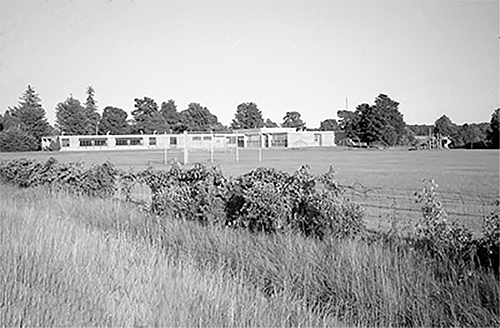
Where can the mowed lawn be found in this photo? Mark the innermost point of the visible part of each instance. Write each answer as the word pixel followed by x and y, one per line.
pixel 383 180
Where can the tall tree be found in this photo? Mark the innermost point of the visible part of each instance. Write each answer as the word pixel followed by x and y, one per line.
pixel 493 135
pixel 392 118
pixel 147 117
pixel 292 120
pixel 329 124
pixel 247 116
pixel 30 116
pixel 171 115
pixel 71 117
pixel 371 125
pixel 93 116
pixel 199 118
pixel 114 121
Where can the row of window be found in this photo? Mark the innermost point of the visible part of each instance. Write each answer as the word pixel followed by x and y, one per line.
pixel 277 140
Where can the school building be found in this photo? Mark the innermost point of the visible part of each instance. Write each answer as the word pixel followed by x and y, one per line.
pixel 248 138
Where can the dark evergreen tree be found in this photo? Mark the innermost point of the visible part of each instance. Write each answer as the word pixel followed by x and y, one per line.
pixel 71 117
pixel 29 116
pixel 92 116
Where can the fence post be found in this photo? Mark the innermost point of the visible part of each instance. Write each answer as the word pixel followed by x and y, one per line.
pixel 260 147
pixel 237 153
pixel 212 147
pixel 165 155
pixel 185 148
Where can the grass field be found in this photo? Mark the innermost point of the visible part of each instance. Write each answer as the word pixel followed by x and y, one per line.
pixel 384 181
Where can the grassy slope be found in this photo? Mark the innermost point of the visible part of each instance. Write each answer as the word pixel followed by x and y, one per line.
pixel 57 270
pixel 75 261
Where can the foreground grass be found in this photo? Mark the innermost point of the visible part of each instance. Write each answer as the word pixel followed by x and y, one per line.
pixel 71 261
pixel 57 271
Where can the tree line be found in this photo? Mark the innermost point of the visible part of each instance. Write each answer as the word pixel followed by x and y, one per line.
pixel 23 126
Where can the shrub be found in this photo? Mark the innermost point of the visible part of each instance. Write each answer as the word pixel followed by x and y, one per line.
pixel 96 181
pixel 270 201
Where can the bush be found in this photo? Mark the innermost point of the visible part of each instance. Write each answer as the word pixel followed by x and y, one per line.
pixel 451 242
pixel 96 181
pixel 271 201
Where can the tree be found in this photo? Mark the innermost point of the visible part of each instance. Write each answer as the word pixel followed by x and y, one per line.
pixel 172 117
pixel 71 117
pixel 247 116
pixel 15 139
pixel 114 121
pixel 293 120
pixel 199 118
pixel 444 127
pixel 493 135
pixel 92 116
pixel 392 120
pixel 371 125
pixel 349 122
pixel 29 116
pixel 471 135
pixel 381 122
pixel 329 124
pixel 147 117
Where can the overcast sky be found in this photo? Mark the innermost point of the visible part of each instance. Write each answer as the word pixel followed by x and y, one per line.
pixel 433 57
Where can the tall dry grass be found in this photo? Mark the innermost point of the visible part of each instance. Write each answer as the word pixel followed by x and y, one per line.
pixel 69 260
pixel 59 269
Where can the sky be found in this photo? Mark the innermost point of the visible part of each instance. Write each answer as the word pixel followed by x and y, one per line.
pixel 314 57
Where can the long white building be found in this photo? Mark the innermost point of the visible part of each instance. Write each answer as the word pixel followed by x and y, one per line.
pixel 251 138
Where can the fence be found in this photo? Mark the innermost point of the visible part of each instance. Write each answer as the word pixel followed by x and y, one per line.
pixel 197 147
pixel 384 206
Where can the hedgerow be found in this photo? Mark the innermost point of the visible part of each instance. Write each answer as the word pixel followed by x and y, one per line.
pixel 263 200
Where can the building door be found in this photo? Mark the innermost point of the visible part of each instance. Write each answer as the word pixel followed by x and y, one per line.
pixel 318 140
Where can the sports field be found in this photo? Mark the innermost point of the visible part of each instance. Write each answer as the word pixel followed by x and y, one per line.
pixel 384 181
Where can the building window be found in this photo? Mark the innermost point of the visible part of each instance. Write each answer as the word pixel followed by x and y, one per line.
pixel 121 142
pixel 196 139
pixel 152 141
pixel 136 141
pixel 173 141
pixel 65 142
pixel 279 140
pixel 231 140
pixel 207 138
pixel 100 142
pixel 85 143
